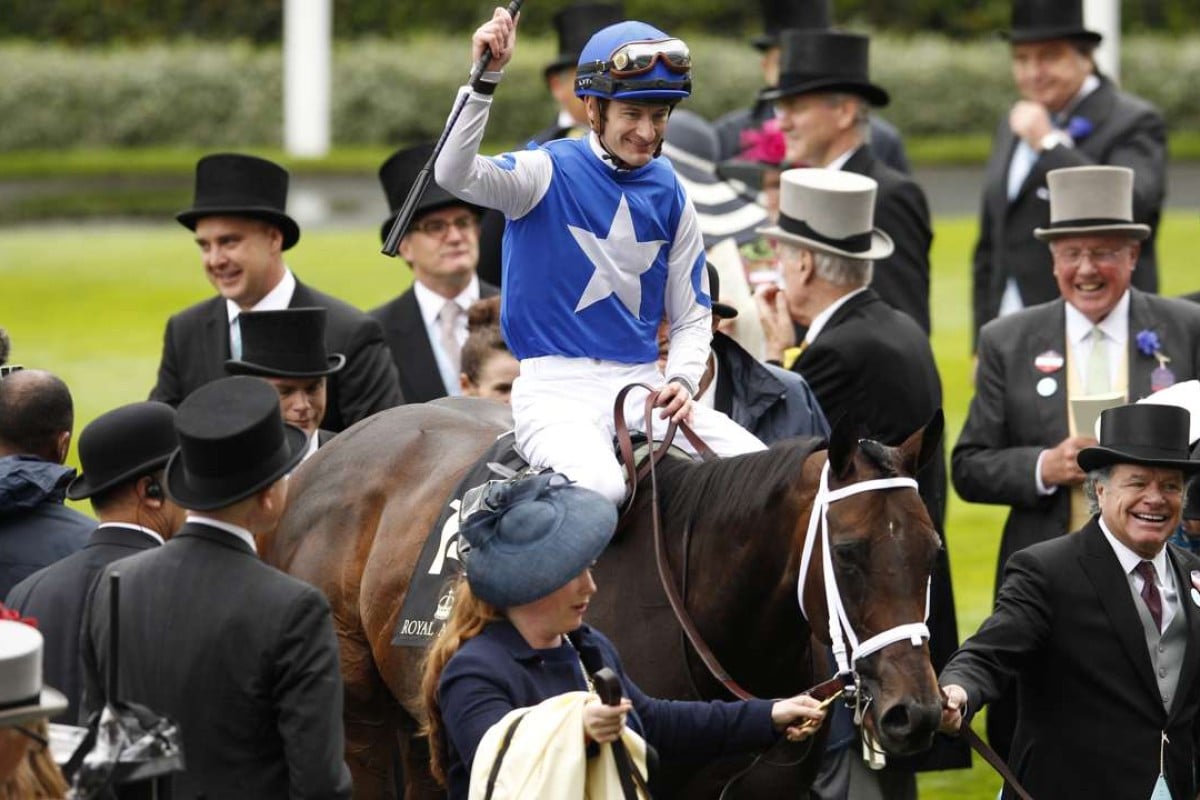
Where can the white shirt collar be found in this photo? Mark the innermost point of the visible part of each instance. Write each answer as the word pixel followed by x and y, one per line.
pixel 841 160
pixel 275 300
pixel 820 320
pixel 431 303
pixel 155 535
pixel 1115 325
pixel 1129 559
pixel 1090 84
pixel 236 530
pixel 311 449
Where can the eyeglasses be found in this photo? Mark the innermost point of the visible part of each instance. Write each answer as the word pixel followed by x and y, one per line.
pixel 9 369
pixel 440 227
pixel 1100 256
pixel 638 58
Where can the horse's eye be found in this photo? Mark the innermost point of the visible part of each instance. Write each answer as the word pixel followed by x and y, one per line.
pixel 852 554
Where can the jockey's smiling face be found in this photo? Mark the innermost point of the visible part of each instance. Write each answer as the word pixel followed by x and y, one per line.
pixel 632 131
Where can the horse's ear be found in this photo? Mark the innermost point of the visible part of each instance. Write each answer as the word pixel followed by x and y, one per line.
pixel 920 448
pixel 843 444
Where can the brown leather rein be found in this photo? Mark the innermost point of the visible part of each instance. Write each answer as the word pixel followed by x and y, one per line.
pixel 633 476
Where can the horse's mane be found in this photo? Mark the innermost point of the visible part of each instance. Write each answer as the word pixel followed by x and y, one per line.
pixel 731 489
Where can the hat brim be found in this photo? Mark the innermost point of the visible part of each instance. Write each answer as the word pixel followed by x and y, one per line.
pixel 1132 230
pixel 723 207
pixel 183 488
pixel 286 225
pixel 881 244
pixel 876 96
pixel 82 487
pixel 1091 458
pixel 1050 34
pixel 239 367
pixel 764 42
pixel 51 702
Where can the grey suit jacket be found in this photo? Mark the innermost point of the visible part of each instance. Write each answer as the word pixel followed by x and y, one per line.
pixel 1126 131
pixel 241 655
pixel 1009 423
pixel 1066 631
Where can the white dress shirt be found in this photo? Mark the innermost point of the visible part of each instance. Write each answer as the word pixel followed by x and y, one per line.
pixel 155 535
pixel 236 530
pixel 820 320
pixel 431 303
pixel 1163 574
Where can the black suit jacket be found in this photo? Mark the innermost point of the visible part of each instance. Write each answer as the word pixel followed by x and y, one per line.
pixel 1009 423
pixel 405 334
pixel 1127 132
pixel 901 279
pixel 196 346
pixel 55 596
pixel 242 656
pixel 1066 631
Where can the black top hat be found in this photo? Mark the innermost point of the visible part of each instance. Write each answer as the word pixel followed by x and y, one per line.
pixel 231 184
pixel 397 176
pixel 722 310
pixel 1042 20
pixel 232 443
pixel 123 444
pixel 825 61
pixel 575 25
pixel 781 15
pixel 289 343
pixel 1142 433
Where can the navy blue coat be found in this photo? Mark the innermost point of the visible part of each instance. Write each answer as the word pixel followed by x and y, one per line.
pixel 36 529
pixel 55 595
pixel 498 671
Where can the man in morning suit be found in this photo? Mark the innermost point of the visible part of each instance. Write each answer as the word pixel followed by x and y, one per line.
pixel 242 231
pixel 574 24
pixel 123 453
pixel 1069 115
pixel 286 348
pixel 240 655
pixel 427 325
pixel 864 361
pixel 1100 630
pixel 822 101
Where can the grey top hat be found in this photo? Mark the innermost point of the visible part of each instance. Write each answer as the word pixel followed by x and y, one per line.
pixel 1091 200
pixel 831 211
pixel 23 696
pixel 532 536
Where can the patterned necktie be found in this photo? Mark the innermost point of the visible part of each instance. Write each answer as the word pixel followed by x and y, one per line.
pixel 1150 595
pixel 448 333
pixel 1099 378
pixel 235 338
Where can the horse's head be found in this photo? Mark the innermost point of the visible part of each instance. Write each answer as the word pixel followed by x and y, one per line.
pixel 882 548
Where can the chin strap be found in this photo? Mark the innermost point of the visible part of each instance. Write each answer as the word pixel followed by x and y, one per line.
pixel 598 128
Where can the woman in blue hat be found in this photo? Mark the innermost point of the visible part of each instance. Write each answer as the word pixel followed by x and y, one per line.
pixel 516 637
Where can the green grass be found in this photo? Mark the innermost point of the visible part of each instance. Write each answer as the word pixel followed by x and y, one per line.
pixel 89 303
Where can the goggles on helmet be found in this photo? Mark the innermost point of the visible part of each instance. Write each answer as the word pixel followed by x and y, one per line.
pixel 638 58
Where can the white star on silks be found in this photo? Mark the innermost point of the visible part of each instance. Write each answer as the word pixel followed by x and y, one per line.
pixel 619 261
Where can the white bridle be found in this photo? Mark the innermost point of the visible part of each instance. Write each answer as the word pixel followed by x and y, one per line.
pixel 840 631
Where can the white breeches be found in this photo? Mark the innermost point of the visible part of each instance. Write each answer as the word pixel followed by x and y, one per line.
pixel 563 415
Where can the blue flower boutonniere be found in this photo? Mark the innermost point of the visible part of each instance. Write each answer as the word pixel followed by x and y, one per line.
pixel 1079 128
pixel 1148 344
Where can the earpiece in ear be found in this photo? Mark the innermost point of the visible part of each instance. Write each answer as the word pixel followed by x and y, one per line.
pixel 154 489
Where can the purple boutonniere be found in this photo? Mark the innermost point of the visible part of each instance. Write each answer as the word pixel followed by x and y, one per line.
pixel 1079 128
pixel 1148 344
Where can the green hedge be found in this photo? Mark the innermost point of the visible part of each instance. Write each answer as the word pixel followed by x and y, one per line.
pixel 393 91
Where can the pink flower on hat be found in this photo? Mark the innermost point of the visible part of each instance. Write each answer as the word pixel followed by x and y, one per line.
pixel 12 615
pixel 765 144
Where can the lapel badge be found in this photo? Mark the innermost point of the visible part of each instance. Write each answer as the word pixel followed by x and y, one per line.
pixel 1161 378
pixel 1049 361
pixel 1046 387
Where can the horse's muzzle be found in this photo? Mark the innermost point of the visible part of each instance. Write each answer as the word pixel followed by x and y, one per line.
pixel 907 727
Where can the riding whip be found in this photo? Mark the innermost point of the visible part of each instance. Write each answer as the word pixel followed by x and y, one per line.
pixel 391 246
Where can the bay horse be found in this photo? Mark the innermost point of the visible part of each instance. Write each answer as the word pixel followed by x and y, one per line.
pixel 359 512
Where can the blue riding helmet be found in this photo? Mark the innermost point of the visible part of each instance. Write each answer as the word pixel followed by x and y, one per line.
pixel 634 61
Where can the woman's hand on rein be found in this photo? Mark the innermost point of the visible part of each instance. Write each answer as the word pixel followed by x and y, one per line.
pixel 603 723
pixel 797 717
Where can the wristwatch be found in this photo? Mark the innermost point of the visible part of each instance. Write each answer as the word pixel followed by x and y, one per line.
pixel 1054 139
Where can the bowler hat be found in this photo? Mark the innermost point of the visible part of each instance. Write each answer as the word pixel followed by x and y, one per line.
pixel 1091 201
pixel 23 696
pixel 235 185
pixel 575 25
pixel 397 176
pixel 1141 433
pixel 831 211
pixel 123 444
pixel 288 343
pixel 232 443
pixel 825 61
pixel 533 535
pixel 781 15
pixel 1043 20
pixel 722 310
pixel 724 208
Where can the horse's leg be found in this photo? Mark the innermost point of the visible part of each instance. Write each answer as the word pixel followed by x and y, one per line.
pixel 419 783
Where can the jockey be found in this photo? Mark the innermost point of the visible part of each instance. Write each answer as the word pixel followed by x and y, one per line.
pixel 600 243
